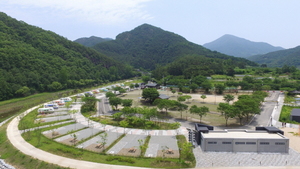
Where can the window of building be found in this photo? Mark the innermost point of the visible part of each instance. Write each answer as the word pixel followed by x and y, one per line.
pixel 212 142
pixel 264 143
pixel 225 142
pixel 251 143
pixel 239 142
pixel 279 143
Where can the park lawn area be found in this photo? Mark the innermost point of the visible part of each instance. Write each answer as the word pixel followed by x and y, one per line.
pixel 81 154
pixel 9 108
pixel 19 160
pixel 285 114
pixel 213 118
pixel 110 121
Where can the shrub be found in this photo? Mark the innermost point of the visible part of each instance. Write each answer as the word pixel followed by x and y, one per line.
pixel 120 159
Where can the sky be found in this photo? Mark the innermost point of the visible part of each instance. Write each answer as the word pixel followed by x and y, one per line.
pixel 200 21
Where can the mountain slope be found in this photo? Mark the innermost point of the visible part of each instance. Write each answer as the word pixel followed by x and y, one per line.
pixel 146 46
pixel 239 47
pixel 290 57
pixel 34 60
pixel 91 41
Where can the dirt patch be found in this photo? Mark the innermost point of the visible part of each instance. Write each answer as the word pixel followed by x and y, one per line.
pixel 52 134
pixel 94 148
pixel 127 152
pixel 70 142
pixel 175 154
pixel 293 135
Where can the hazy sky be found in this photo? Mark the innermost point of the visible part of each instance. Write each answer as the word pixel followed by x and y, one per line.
pixel 200 21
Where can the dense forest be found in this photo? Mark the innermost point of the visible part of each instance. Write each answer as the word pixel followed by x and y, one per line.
pixel 194 65
pixel 147 46
pixel 91 41
pixel 34 60
pixel 279 58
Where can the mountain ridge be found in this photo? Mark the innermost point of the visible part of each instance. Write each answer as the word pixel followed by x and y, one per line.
pixel 280 58
pixel 240 47
pixel 147 46
pixel 91 41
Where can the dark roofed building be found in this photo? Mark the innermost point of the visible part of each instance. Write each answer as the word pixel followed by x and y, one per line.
pixel 163 96
pixel 295 115
pixel 153 85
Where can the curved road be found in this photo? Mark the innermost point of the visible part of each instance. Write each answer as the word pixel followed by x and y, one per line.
pixel 17 140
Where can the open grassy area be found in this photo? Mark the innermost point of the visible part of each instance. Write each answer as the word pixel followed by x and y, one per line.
pixel 11 107
pixel 36 139
pixel 285 114
pixel 19 160
pixel 212 118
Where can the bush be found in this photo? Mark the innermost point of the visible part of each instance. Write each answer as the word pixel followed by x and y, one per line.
pixel 120 159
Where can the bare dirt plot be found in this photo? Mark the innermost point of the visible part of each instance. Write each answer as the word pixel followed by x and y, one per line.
pixel 174 154
pixel 70 141
pixel 293 135
pixel 95 148
pixel 129 152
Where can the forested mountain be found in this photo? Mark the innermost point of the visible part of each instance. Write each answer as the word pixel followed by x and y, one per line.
pixel 194 65
pixel 147 46
pixel 239 47
pixel 91 41
pixel 34 60
pixel 290 57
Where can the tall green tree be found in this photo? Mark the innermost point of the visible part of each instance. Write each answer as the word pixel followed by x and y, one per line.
pixel 200 111
pixel 228 111
pixel 203 97
pixel 150 94
pixel 228 98
pixel 115 101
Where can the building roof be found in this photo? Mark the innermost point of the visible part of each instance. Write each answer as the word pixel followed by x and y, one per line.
pixel 163 96
pixel 152 84
pixel 242 135
pixel 295 112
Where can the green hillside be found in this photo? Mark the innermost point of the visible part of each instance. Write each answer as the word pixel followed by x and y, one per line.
pixel 91 41
pixel 146 46
pixel 34 60
pixel 280 58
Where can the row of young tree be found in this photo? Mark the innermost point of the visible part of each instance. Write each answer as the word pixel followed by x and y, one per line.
pixel 246 83
pixel 245 107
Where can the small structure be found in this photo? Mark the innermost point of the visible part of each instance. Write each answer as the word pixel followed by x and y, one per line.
pixel 163 96
pixel 150 85
pixel 295 115
pixel 262 139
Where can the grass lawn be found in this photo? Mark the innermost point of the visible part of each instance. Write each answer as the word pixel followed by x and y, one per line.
pixel 213 118
pixel 51 146
pixel 285 114
pixel 19 160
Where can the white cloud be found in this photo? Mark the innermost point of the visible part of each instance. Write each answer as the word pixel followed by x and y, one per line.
pixel 106 12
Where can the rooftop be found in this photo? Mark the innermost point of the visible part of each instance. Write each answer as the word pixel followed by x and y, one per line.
pixel 242 134
pixel 295 112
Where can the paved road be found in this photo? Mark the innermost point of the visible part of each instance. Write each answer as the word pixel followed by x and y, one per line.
pixel 264 118
pixel 16 139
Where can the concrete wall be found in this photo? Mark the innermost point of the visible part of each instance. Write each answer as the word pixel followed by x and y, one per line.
pixel 295 118
pixel 245 145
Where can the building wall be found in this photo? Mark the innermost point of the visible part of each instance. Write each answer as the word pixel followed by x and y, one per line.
pixel 295 118
pixel 245 145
